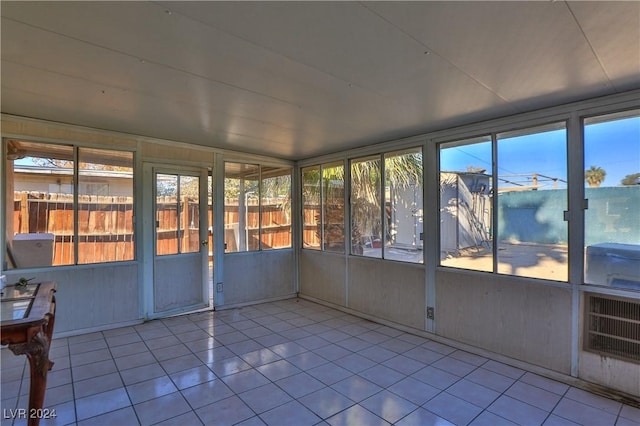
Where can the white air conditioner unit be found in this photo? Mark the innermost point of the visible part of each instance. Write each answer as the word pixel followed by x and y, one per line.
pixel 613 264
pixel 32 250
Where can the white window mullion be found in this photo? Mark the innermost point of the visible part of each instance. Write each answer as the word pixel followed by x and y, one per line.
pixel 76 201
pixel 576 204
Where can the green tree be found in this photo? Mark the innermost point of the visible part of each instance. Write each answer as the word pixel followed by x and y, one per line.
pixel 594 176
pixel 401 171
pixel 632 179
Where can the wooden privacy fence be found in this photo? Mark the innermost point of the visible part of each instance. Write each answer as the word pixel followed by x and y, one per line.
pixel 313 231
pixel 177 225
pixel 276 224
pixel 310 226
pixel 106 231
pixel 105 225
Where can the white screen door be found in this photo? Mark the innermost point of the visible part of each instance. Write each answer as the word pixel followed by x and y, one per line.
pixel 180 264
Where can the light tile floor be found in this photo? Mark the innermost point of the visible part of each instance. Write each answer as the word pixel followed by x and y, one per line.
pixel 295 363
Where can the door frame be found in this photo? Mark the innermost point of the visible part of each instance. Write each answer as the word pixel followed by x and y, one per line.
pixel 150 170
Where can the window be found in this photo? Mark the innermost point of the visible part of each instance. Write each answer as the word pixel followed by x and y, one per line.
pixel 366 202
pixel 105 206
pixel 532 234
pixel 333 207
pixel 311 213
pixel 323 207
pixel 387 224
pixel 253 221
pixel 177 214
pixel 403 206
pixel 509 222
pixel 612 188
pixel 275 208
pixel 48 223
pixel 466 204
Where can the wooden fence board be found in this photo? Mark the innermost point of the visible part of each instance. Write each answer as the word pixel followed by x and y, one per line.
pixel 105 225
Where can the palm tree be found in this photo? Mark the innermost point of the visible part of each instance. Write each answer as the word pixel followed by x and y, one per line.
pixel 594 176
pixel 632 179
pixel 402 170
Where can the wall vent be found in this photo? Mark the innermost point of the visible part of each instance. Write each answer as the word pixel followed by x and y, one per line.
pixel 613 327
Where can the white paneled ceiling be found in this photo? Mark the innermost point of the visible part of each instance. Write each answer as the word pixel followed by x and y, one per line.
pixel 299 79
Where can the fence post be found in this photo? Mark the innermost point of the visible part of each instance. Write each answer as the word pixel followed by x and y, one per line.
pixel 186 232
pixel 24 213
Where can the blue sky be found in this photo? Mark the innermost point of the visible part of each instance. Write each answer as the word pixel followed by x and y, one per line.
pixel 613 146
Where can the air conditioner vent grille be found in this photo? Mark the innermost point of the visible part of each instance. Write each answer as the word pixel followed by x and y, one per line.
pixel 613 327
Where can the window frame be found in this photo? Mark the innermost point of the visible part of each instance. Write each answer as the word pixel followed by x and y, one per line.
pixel 597 116
pixel 76 193
pixel 381 157
pixel 260 166
pixel 530 127
pixel 459 142
pixel 303 224
pixel 380 181
pixel 322 198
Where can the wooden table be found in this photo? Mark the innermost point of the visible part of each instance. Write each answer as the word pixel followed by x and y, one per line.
pixel 28 316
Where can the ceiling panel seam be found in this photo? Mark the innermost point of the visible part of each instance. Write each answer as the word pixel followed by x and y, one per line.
pixel 273 98
pixel 349 83
pixel 441 56
pixel 253 43
pixel 593 50
pixel 126 89
pixel 228 132
pixel 192 74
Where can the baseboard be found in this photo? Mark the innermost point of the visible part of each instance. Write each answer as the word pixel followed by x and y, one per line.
pixel 604 391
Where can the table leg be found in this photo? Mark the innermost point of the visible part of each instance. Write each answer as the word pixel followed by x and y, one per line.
pixel 37 352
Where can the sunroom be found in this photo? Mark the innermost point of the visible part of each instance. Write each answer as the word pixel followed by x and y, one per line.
pixel 461 177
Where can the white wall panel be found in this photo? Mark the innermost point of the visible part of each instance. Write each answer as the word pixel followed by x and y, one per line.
pixel 255 276
pixel 323 276
pixel 32 129
pixel 177 281
pixel 528 322
pixel 393 291
pixel 610 372
pixel 90 297
pixel 160 152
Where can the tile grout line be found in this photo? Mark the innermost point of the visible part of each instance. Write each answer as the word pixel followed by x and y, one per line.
pixel 334 321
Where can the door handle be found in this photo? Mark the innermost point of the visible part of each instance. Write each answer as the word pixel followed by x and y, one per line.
pixel 204 243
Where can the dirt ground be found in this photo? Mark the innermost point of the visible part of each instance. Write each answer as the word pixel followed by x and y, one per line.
pixel 524 260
